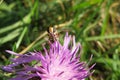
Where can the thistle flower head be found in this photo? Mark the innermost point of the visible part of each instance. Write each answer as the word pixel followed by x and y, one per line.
pixel 58 63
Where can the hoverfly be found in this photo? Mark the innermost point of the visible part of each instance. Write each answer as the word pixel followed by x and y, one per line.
pixel 53 34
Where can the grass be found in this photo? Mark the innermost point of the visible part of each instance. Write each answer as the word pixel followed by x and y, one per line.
pixel 95 23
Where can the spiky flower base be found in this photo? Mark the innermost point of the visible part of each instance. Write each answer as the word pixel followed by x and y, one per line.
pixel 58 63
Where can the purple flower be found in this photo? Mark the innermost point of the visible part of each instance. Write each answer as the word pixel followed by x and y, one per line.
pixel 58 63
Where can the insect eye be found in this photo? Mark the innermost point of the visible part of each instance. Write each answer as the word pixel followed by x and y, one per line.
pixel 49 30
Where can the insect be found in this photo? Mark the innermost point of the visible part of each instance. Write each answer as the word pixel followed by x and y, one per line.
pixel 53 34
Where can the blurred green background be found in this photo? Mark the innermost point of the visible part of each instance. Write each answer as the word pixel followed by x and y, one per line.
pixel 95 23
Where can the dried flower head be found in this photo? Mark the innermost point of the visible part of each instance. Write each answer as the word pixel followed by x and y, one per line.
pixel 58 63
